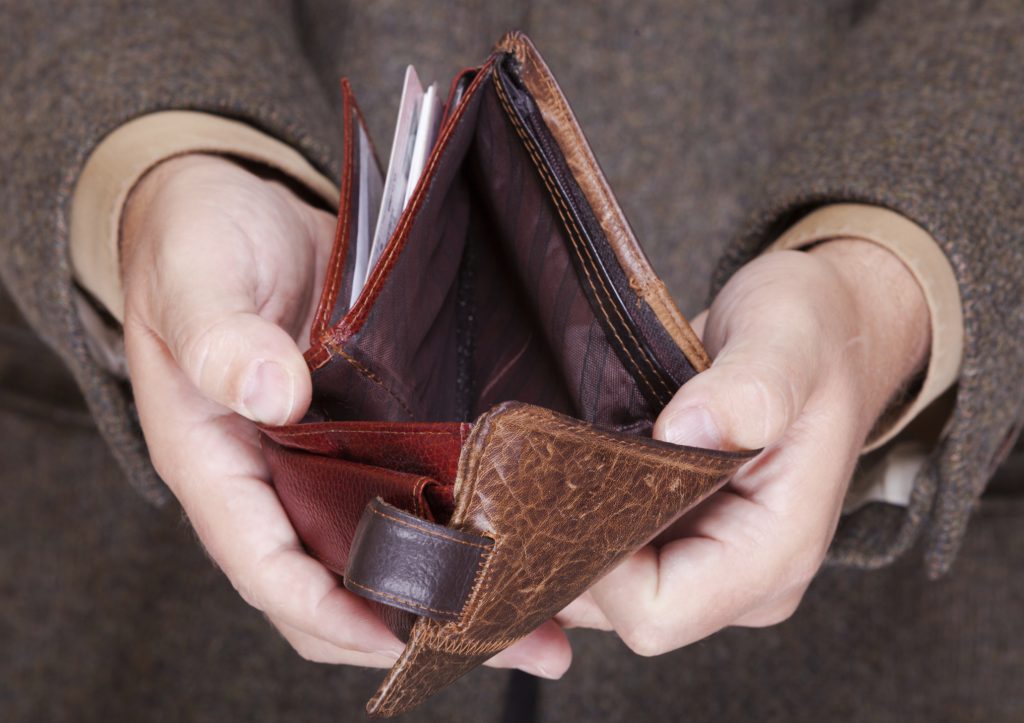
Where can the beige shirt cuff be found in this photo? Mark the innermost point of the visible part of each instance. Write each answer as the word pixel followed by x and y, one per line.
pixel 926 261
pixel 123 158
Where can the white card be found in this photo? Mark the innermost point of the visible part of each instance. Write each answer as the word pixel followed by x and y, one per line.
pixel 397 178
pixel 426 133
pixel 370 182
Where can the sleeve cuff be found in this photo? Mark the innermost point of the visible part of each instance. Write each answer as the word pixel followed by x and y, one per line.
pixel 124 157
pixel 922 255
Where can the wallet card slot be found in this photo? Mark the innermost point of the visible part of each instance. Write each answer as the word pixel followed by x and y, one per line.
pixel 395 353
pixel 324 497
pixel 357 150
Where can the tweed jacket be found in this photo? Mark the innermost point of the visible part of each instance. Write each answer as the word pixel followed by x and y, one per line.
pixel 718 124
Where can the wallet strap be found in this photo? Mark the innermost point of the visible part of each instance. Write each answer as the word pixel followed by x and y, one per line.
pixel 406 562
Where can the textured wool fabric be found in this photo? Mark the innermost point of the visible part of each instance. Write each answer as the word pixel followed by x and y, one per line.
pixel 719 125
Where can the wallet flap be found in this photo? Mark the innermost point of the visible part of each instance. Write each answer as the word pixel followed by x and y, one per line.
pixel 563 502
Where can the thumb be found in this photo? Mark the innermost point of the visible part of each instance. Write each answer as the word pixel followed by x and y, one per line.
pixel 755 389
pixel 244 362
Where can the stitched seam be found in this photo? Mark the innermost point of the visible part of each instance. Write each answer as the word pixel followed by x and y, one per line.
pixel 392 432
pixel 374 378
pixel 565 114
pixel 568 221
pixel 316 359
pixel 417 494
pixel 475 647
pixel 483 571
pixel 571 227
pixel 473 472
pixel 364 301
pixel 466 473
pixel 425 531
pixel 404 601
pixel 580 247
pixel 342 233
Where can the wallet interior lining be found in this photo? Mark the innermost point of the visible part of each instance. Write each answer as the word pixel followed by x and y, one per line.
pixel 483 301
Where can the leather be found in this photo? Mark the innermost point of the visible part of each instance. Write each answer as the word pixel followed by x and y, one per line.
pixel 424 568
pixel 559 118
pixel 326 474
pixel 563 502
pixel 512 292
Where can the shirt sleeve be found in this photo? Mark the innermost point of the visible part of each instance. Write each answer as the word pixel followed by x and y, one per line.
pixel 920 253
pixel 121 159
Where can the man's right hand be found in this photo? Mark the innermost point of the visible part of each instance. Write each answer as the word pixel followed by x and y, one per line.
pixel 222 271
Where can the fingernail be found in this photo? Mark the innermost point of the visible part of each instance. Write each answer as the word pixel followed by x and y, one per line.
pixel 694 427
pixel 268 394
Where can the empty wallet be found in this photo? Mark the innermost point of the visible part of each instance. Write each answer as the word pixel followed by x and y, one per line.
pixel 478 450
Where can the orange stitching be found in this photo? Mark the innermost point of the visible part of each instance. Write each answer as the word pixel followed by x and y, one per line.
pixel 404 601
pixel 475 647
pixel 426 531
pixel 342 234
pixel 374 378
pixel 396 432
pixel 571 227
pixel 483 570
pixel 469 476
pixel 417 494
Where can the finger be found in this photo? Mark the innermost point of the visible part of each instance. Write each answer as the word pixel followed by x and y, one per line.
pixel 204 308
pixel 662 599
pixel 743 556
pixel 317 650
pixel 545 652
pixel 583 612
pixel 772 614
pixel 698 323
pixel 768 363
pixel 214 467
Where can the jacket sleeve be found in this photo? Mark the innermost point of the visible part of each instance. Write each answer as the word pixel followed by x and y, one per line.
pixel 74 72
pixel 919 110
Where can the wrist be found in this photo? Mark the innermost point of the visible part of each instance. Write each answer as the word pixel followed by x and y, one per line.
pixel 892 317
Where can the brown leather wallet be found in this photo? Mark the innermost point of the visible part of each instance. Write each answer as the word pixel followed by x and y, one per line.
pixel 512 293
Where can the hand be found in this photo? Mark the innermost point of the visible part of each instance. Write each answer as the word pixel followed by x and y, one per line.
pixel 808 348
pixel 222 271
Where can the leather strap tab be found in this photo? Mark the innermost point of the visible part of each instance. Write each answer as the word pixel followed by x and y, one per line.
pixel 406 562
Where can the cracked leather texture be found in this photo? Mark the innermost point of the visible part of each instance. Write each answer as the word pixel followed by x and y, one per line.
pixel 563 503
pixel 401 560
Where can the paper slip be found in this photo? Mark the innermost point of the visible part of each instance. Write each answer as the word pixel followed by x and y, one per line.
pixel 419 118
pixel 370 182
pixel 426 133
pixel 397 177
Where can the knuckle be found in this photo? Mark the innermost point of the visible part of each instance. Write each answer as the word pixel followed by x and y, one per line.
pixel 196 343
pixel 249 593
pixel 771 393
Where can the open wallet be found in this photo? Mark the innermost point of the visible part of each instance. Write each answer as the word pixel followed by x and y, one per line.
pixel 478 450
